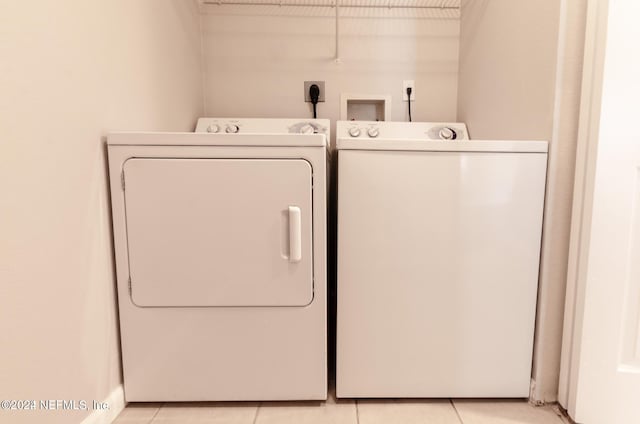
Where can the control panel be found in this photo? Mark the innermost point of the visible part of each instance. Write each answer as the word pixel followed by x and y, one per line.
pixel 262 126
pixel 402 130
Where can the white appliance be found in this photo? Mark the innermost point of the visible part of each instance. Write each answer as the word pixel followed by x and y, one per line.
pixel 438 251
pixel 220 243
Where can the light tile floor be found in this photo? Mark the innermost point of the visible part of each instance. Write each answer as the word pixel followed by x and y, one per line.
pixel 334 411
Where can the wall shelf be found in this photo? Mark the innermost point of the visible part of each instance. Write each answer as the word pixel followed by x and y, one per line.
pixel 453 5
pixel 445 9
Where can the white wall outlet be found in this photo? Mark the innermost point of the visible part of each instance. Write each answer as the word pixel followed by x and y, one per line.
pixel 308 84
pixel 405 84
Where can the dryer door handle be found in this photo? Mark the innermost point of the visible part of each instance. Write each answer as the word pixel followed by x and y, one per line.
pixel 295 234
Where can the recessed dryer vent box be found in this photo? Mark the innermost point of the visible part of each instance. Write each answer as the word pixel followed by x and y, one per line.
pixel 365 107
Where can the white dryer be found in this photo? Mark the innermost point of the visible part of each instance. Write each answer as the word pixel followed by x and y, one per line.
pixel 220 245
pixel 438 253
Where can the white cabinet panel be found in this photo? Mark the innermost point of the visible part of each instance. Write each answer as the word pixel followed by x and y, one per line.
pixel 437 272
pixel 217 232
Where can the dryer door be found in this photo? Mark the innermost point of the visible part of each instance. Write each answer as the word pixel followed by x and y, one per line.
pixel 219 232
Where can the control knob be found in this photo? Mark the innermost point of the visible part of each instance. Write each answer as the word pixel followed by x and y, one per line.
pixel 213 128
pixel 232 129
pixel 373 132
pixel 307 129
pixel 354 132
pixel 447 133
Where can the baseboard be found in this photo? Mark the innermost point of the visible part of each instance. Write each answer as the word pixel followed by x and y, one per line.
pixel 116 403
pixel 534 397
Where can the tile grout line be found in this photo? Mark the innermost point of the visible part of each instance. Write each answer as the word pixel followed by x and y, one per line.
pixel 156 413
pixel 456 409
pixel 255 417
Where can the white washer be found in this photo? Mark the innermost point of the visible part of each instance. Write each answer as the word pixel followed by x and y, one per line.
pixel 438 253
pixel 220 243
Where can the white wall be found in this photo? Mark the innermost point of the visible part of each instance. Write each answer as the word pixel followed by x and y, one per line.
pixel 257 58
pixel 70 71
pixel 560 181
pixel 507 68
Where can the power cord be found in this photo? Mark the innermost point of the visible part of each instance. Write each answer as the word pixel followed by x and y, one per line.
pixel 314 94
pixel 409 101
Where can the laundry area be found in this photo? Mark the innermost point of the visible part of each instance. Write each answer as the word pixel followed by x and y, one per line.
pixel 319 211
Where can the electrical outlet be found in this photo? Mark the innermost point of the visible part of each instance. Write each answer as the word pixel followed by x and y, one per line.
pixel 308 84
pixel 405 84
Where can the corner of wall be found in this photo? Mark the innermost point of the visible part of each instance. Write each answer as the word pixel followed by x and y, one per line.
pixel 558 205
pixel 116 403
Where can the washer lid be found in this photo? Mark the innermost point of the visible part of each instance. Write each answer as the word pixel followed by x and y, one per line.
pixel 443 146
